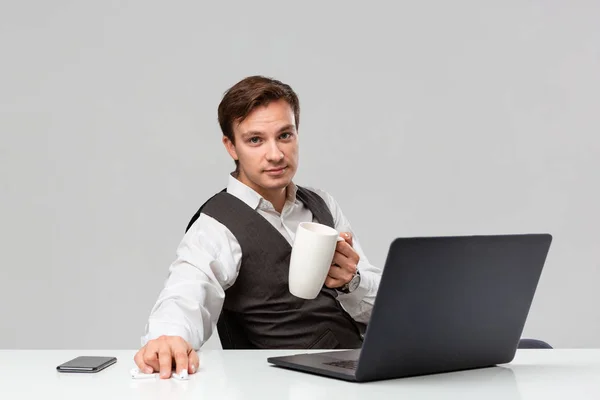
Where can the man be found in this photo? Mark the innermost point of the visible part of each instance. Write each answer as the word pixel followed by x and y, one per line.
pixel 232 262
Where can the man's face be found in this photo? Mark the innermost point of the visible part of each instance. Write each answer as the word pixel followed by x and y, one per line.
pixel 266 146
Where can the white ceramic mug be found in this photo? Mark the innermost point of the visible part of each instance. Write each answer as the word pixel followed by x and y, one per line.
pixel 312 254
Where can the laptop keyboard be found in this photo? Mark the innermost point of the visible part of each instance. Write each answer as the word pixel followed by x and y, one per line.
pixel 348 364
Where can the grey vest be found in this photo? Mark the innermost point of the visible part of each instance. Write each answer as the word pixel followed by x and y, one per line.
pixel 259 311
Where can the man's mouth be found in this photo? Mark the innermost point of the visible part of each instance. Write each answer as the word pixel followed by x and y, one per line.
pixel 275 170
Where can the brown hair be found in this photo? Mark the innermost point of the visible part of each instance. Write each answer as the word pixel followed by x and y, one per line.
pixel 249 93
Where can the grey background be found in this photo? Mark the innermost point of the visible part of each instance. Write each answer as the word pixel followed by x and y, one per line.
pixel 420 118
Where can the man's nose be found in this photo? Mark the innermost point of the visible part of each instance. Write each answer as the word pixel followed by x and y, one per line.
pixel 274 153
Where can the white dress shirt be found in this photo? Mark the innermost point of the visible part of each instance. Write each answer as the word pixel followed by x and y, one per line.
pixel 209 257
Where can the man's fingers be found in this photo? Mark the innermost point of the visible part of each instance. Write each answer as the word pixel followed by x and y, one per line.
pixel 165 360
pixel 347 237
pixel 343 263
pixel 180 355
pixel 333 283
pixel 139 361
pixel 150 355
pixel 164 353
pixel 341 274
pixel 193 362
pixel 346 250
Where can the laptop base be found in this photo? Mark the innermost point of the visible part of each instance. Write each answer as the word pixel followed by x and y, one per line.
pixel 319 363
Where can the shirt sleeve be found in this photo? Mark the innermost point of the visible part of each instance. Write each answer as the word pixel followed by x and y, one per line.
pixel 207 263
pixel 359 303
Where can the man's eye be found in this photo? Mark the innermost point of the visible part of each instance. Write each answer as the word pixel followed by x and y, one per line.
pixel 285 135
pixel 254 140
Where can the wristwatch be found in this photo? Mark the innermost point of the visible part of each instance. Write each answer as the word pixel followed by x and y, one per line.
pixel 352 285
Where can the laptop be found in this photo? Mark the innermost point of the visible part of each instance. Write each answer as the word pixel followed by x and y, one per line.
pixel 444 304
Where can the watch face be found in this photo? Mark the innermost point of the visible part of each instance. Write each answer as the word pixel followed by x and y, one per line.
pixel 354 283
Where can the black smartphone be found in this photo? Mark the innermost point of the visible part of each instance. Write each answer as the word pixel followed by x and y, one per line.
pixel 88 364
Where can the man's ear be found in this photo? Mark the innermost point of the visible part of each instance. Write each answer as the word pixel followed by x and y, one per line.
pixel 230 147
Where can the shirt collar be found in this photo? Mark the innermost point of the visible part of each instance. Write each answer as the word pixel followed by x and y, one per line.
pixel 250 196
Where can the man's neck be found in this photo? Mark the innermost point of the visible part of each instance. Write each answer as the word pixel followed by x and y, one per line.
pixel 276 197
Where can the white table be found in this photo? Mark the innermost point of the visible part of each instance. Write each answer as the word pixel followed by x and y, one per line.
pixel 534 374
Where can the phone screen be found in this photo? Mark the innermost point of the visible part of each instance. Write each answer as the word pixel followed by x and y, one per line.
pixel 87 363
